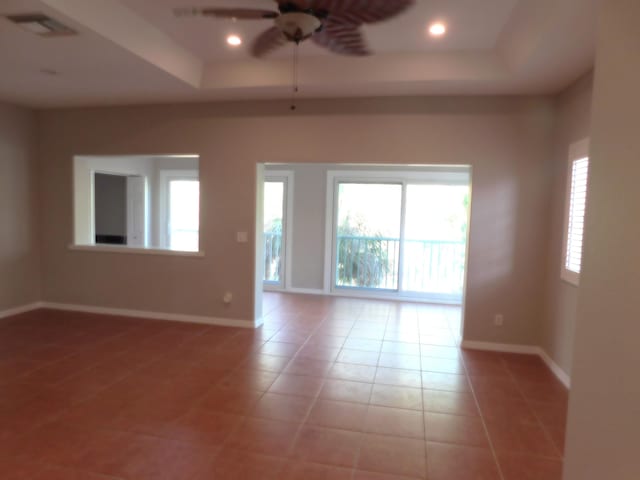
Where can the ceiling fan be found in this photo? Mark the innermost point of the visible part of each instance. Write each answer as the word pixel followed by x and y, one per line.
pixel 331 24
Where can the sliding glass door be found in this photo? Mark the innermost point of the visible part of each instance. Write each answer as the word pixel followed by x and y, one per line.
pixel 401 236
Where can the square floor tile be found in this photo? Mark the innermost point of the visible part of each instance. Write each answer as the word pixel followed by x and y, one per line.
pixel 445 381
pixel 359 357
pixel 402 348
pixel 353 372
pixel 229 400
pixel 241 465
pixel 461 430
pixel 314 471
pixel 263 361
pixel 455 403
pixel 442 365
pixel 402 378
pixel 363 344
pixel 393 455
pixel 327 446
pixel 267 437
pixel 342 415
pixel 455 462
pixel 394 421
pixel 288 408
pixel 528 467
pixel 203 427
pixel 506 410
pixel 397 397
pixel 252 380
pixel 344 390
pixel 302 385
pixel 514 437
pixel 308 366
pixel 397 360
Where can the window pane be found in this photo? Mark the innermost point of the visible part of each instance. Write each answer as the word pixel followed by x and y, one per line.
pixel 368 236
pixel 435 239
pixel 577 205
pixel 273 214
pixel 184 215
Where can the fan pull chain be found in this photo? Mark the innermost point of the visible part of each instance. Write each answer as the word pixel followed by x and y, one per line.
pixel 295 74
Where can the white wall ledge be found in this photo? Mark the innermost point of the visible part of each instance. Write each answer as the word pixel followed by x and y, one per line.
pixel 134 251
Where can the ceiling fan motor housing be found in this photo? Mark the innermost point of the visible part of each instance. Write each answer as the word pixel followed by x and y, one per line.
pixel 298 26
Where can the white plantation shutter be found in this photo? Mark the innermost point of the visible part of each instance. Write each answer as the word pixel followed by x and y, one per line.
pixel 575 211
pixel 577 204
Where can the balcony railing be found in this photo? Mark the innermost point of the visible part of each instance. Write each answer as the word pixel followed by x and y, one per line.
pixel 272 257
pixel 429 266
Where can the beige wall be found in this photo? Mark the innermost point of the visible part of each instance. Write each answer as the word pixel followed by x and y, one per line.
pixel 19 258
pixel 506 140
pixel 604 410
pixel 573 117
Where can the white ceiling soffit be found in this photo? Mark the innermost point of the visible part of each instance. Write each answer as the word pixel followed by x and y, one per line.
pixel 136 51
pixel 115 22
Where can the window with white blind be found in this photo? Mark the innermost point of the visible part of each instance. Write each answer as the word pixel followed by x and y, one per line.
pixel 575 210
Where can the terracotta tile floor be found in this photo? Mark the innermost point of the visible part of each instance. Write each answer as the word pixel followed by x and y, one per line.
pixel 326 389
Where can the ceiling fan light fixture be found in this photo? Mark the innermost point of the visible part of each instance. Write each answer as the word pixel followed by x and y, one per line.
pixel 234 40
pixel 298 26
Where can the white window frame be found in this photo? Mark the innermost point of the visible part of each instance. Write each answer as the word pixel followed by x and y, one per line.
pixel 285 176
pixel 167 176
pixel 577 151
pixel 441 175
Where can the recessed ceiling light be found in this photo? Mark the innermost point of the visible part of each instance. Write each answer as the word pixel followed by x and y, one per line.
pixel 234 40
pixel 437 29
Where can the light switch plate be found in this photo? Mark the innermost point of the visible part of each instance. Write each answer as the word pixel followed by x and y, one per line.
pixel 242 237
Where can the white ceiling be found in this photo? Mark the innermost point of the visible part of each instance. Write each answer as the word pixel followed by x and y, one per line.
pixel 404 34
pixel 136 51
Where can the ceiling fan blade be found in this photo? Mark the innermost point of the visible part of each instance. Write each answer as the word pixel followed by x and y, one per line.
pixel 302 4
pixel 357 12
pixel 237 13
pixel 342 39
pixel 267 41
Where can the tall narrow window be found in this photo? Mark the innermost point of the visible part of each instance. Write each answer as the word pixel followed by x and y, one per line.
pixel 575 211
pixel 278 213
pixel 180 210
pixel 274 212
pixel 184 215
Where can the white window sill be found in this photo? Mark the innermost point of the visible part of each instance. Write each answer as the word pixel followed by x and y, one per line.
pixel 130 250
pixel 572 278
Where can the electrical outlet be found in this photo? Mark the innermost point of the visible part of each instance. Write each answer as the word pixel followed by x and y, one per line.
pixel 498 320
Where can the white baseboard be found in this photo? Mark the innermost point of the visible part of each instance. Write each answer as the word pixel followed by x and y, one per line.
pixel 21 309
pixel 555 368
pixel 500 347
pixel 305 291
pixel 361 295
pixel 172 317
pixel 564 378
